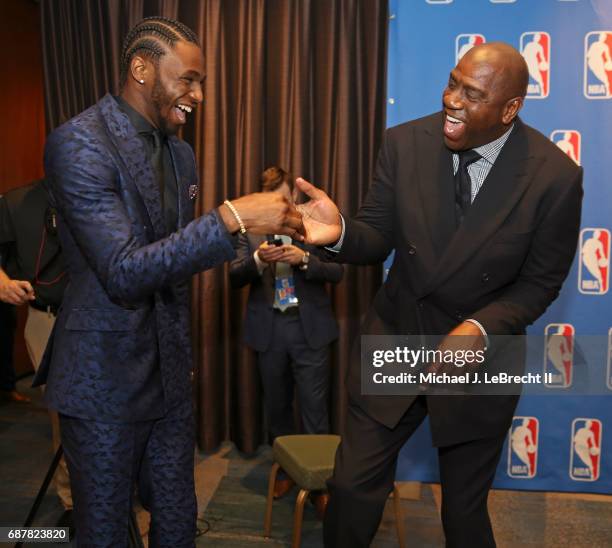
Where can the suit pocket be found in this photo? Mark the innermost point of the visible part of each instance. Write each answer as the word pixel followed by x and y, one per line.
pixel 102 319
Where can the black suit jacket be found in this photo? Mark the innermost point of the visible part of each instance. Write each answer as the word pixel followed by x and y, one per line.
pixel 503 266
pixel 318 321
pixel 26 223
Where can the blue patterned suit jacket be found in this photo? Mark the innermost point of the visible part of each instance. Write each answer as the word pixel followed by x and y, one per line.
pixel 121 349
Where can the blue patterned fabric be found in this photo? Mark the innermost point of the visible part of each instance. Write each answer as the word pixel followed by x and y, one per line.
pixel 104 462
pixel 121 348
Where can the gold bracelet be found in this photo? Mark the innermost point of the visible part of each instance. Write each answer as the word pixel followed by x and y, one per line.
pixel 233 210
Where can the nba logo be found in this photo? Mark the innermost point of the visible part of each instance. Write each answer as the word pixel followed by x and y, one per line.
pixel 535 48
pixel 594 261
pixel 465 42
pixel 523 447
pixel 569 141
pixel 585 452
pixel 609 369
pixel 558 355
pixel 598 65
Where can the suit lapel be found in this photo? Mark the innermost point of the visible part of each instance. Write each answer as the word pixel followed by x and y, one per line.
pixel 267 277
pixel 181 173
pixel 438 199
pixel 131 151
pixel 502 189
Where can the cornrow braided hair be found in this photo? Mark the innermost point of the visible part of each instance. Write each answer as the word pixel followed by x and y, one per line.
pixel 150 38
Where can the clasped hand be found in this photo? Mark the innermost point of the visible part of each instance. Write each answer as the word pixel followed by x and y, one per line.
pixel 283 253
pixel 265 213
pixel 316 222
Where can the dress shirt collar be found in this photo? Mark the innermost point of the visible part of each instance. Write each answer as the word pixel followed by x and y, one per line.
pixel 491 150
pixel 140 123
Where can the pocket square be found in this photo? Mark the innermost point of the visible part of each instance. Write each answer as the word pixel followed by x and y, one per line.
pixel 193 192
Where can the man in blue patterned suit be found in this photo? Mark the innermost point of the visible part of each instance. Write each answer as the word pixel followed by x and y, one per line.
pixel 118 368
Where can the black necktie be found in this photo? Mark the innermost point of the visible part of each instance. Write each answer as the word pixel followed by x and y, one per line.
pixel 157 160
pixel 463 184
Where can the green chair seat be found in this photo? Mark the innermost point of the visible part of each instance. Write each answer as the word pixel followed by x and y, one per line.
pixel 308 459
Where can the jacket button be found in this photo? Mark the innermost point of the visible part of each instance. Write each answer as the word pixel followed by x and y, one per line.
pixel 459 314
pixel 485 277
pixel 412 250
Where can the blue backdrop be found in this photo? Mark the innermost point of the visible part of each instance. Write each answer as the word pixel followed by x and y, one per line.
pixel 555 443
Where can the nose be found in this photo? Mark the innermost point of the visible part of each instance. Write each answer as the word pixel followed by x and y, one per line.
pixel 452 99
pixel 196 93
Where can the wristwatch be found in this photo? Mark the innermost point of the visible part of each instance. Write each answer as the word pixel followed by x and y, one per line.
pixel 305 259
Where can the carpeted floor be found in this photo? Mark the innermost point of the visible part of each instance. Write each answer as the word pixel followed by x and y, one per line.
pixel 231 493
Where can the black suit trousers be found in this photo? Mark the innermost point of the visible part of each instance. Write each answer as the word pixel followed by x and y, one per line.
pixel 365 471
pixel 290 365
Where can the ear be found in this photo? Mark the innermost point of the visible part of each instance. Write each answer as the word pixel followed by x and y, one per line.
pixel 140 69
pixel 511 110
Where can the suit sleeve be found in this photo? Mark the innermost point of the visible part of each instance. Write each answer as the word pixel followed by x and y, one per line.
pixel 243 269
pixel 549 259
pixel 7 231
pixel 83 186
pixel 369 236
pixel 321 271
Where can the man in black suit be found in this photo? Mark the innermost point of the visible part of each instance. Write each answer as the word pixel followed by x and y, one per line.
pixel 289 321
pixel 37 277
pixel 483 243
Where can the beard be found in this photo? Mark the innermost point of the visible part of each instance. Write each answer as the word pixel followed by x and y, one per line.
pixel 161 100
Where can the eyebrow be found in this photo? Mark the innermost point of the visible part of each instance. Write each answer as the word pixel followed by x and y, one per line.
pixel 466 85
pixel 194 74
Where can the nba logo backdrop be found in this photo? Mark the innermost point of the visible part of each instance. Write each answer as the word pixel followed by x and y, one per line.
pixel 598 65
pixel 465 42
pixel 569 141
pixel 594 272
pixel 535 48
pixel 559 355
pixel 523 447
pixel 609 368
pixel 585 455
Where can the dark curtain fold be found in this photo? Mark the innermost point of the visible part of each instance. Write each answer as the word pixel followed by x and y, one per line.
pixel 298 83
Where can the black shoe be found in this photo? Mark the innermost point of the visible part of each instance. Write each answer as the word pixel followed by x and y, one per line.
pixel 66 520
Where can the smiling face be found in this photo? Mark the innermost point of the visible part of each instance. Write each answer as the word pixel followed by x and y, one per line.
pixel 481 98
pixel 177 86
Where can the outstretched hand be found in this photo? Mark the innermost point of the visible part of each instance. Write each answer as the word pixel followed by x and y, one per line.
pixel 320 215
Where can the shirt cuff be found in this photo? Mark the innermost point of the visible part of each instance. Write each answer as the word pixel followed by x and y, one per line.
pixel 260 264
pixel 482 330
pixel 338 245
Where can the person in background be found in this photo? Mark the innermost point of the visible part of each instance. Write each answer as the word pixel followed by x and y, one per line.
pixel 28 225
pixel 289 322
pixel 8 323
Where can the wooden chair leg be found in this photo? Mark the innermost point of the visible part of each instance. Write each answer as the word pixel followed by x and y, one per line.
pixel 298 517
pixel 270 500
pixel 399 517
